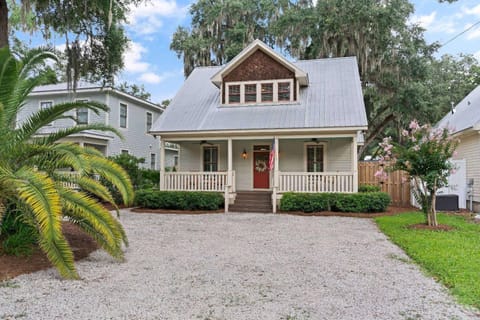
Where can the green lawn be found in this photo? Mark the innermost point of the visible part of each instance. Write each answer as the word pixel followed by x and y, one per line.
pixel 452 257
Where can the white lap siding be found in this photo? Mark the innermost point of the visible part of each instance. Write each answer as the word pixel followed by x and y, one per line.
pixel 469 149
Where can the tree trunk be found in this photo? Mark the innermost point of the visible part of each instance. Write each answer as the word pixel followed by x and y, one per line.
pixel 433 213
pixel 3 23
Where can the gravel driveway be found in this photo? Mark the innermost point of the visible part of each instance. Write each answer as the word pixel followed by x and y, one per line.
pixel 238 266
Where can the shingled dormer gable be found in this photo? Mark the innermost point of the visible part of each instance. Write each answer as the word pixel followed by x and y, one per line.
pixel 259 75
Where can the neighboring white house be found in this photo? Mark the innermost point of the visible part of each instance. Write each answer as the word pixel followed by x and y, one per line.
pixel 464 119
pixel 234 122
pixel 132 116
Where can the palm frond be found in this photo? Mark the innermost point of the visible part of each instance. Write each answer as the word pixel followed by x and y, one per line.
pixel 95 187
pixel 37 191
pixel 101 224
pixel 116 175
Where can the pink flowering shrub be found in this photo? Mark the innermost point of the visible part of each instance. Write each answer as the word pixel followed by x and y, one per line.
pixel 425 156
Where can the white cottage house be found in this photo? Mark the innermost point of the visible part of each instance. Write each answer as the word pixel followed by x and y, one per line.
pixel 464 119
pixel 262 126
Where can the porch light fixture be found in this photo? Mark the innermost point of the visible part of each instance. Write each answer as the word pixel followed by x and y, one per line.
pixel 244 154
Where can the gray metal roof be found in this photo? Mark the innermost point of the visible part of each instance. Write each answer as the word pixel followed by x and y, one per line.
pixel 63 86
pixel 467 113
pixel 333 99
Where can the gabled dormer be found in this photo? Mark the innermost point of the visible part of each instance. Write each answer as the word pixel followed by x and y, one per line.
pixel 258 75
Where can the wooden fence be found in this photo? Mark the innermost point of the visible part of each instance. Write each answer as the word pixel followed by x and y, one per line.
pixel 397 185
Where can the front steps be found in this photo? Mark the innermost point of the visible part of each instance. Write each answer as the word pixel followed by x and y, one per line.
pixel 252 201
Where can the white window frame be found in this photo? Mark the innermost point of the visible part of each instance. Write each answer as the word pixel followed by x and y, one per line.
pixel 88 111
pixel 120 115
pixel 124 151
pixel 305 155
pixel 147 129
pixel 202 147
pixel 40 107
pixel 259 83
pixel 154 158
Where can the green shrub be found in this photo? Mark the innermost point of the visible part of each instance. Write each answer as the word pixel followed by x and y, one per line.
pixel 149 178
pixel 338 202
pixel 369 188
pixel 16 236
pixel 179 200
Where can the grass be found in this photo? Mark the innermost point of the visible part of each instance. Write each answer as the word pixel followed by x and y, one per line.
pixel 452 257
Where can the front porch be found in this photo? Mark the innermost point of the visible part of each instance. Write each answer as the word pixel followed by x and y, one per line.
pixel 314 163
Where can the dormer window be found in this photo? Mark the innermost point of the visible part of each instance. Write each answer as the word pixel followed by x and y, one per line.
pixel 259 92
pixel 234 94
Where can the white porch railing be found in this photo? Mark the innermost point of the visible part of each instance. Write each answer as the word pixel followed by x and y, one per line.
pixel 198 181
pixel 316 182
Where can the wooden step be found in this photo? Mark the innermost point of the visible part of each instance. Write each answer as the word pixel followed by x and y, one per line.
pixel 252 201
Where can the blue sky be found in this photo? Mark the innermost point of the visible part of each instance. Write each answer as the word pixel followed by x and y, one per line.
pixel 149 61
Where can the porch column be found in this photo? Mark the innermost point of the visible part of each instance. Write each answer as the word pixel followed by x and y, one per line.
pixel 162 164
pixel 229 173
pixel 355 163
pixel 275 174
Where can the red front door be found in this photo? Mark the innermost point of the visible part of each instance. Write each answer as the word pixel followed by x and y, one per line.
pixel 261 174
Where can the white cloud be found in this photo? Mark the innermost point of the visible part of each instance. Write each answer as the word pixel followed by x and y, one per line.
pixel 150 77
pixel 475 11
pixel 133 58
pixel 473 34
pixel 424 21
pixel 147 17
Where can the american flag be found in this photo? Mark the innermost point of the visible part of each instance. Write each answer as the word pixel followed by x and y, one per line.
pixel 271 159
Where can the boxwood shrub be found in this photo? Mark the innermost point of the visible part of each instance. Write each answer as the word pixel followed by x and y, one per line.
pixel 338 202
pixel 178 200
pixel 369 188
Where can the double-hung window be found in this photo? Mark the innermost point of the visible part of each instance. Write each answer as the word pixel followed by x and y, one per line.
pixel 153 160
pixel 315 156
pixel 149 121
pixel 82 114
pixel 210 158
pixel 45 105
pixel 123 115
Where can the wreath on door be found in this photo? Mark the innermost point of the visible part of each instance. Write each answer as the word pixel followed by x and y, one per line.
pixel 260 165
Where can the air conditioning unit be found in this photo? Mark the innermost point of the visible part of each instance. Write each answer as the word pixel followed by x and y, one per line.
pixel 446 202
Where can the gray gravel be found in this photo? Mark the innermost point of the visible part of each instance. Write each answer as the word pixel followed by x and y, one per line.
pixel 238 266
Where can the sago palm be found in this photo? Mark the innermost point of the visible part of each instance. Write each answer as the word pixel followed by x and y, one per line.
pixel 30 179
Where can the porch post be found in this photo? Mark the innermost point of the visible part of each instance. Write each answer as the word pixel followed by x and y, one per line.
pixel 355 163
pixel 162 164
pixel 275 175
pixel 229 174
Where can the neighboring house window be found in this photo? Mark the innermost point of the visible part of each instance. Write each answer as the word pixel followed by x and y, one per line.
pixel 44 105
pixel 210 158
pixel 82 114
pixel 153 158
pixel 149 121
pixel 234 94
pixel 257 92
pixel 315 158
pixel 267 92
pixel 123 115
pixel 124 151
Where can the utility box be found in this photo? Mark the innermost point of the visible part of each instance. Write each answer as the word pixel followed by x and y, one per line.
pixel 446 202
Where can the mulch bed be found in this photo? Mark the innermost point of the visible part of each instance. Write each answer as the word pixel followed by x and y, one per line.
pixel 81 244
